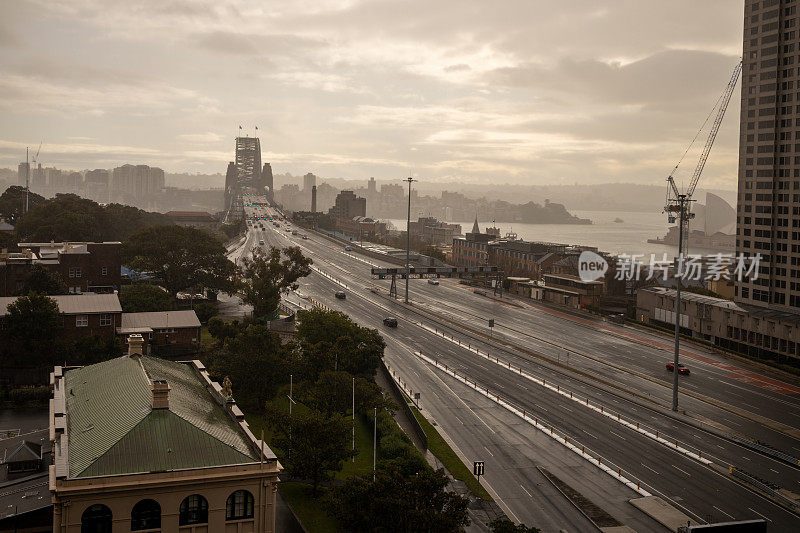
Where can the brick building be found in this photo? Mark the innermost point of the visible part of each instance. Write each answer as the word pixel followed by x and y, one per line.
pixel 360 227
pixel 164 333
pixel 84 315
pixel 429 230
pixel 83 266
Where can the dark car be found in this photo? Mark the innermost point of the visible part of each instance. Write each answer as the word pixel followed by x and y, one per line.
pixel 341 295
pixel 390 322
pixel 681 369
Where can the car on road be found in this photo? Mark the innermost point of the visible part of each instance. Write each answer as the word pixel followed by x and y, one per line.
pixel 261 242
pixel 305 237
pixel 390 322
pixel 432 281
pixel 288 229
pixel 294 232
pixel 681 369
pixel 341 295
pixel 348 249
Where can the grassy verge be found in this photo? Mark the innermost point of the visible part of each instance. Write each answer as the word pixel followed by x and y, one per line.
pixel 307 508
pixel 439 447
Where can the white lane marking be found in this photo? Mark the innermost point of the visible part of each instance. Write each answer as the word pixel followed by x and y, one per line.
pixel 743 457
pixel 723 512
pixel 650 469
pixel 771 468
pixel 759 514
pixel 487 451
pixel 617 434
pixel 593 436
pixel 528 493
pixel 682 470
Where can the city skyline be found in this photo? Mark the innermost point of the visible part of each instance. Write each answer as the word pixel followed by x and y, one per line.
pixel 584 93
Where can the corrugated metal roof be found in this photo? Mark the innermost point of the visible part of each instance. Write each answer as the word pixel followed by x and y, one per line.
pixel 74 304
pixel 110 430
pixel 164 441
pixel 161 319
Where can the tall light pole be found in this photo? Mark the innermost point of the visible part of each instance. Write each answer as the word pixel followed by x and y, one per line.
pixel 408 235
pixel 682 206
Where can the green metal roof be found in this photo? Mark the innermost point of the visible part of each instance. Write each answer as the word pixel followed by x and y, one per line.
pixel 112 428
pixel 164 441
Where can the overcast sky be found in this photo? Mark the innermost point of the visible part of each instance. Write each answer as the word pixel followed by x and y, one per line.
pixel 531 92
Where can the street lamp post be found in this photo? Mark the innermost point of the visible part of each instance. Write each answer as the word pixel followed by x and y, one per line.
pixel 408 235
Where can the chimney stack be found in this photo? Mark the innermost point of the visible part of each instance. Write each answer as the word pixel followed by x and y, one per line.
pixel 135 345
pixel 160 389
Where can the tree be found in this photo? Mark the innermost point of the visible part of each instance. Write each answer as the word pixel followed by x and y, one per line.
pixel 144 297
pixel 33 324
pixel 333 393
pixel 503 525
pixel 255 361
pixel 42 280
pixel 180 258
pixel 12 203
pixel 65 218
pixel 330 338
pixel 316 444
pixel 398 502
pixel 266 277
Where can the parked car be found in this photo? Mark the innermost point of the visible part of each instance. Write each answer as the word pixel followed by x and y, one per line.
pixel 681 369
pixel 305 237
pixel 432 281
pixel 340 295
pixel 390 322
pixel 348 249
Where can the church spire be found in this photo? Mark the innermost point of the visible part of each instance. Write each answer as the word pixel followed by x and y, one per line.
pixel 475 228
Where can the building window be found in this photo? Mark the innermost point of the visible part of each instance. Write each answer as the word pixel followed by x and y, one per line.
pixel 194 510
pixel 146 515
pixel 105 319
pixel 75 289
pixel 96 519
pixel 104 271
pixel 81 321
pixel 239 505
pixel 75 272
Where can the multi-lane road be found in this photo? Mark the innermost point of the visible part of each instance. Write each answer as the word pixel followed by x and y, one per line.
pixel 619 368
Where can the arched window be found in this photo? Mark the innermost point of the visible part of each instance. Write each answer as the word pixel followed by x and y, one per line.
pixel 194 510
pixel 239 505
pixel 96 519
pixel 146 515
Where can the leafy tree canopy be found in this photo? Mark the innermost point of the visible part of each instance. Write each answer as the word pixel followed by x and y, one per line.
pixel 254 360
pixel 267 276
pixel 144 297
pixel 42 280
pixel 399 503
pixel 33 324
pixel 333 393
pixel 502 525
pixel 180 258
pixel 68 217
pixel 330 338
pixel 12 203
pixel 316 444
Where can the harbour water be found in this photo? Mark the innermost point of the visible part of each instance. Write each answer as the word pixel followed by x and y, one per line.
pixel 629 236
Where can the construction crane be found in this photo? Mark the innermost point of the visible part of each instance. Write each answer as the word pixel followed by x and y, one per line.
pixel 679 208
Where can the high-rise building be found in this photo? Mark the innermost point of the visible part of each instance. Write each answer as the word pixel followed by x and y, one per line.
pixel 137 181
pixel 22 173
pixel 372 186
pixel 348 205
pixel 309 181
pixel 768 216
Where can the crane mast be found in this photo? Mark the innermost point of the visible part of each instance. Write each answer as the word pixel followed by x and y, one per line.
pixel 679 207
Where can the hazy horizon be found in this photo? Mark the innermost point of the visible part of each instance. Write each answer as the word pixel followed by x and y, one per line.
pixel 522 93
